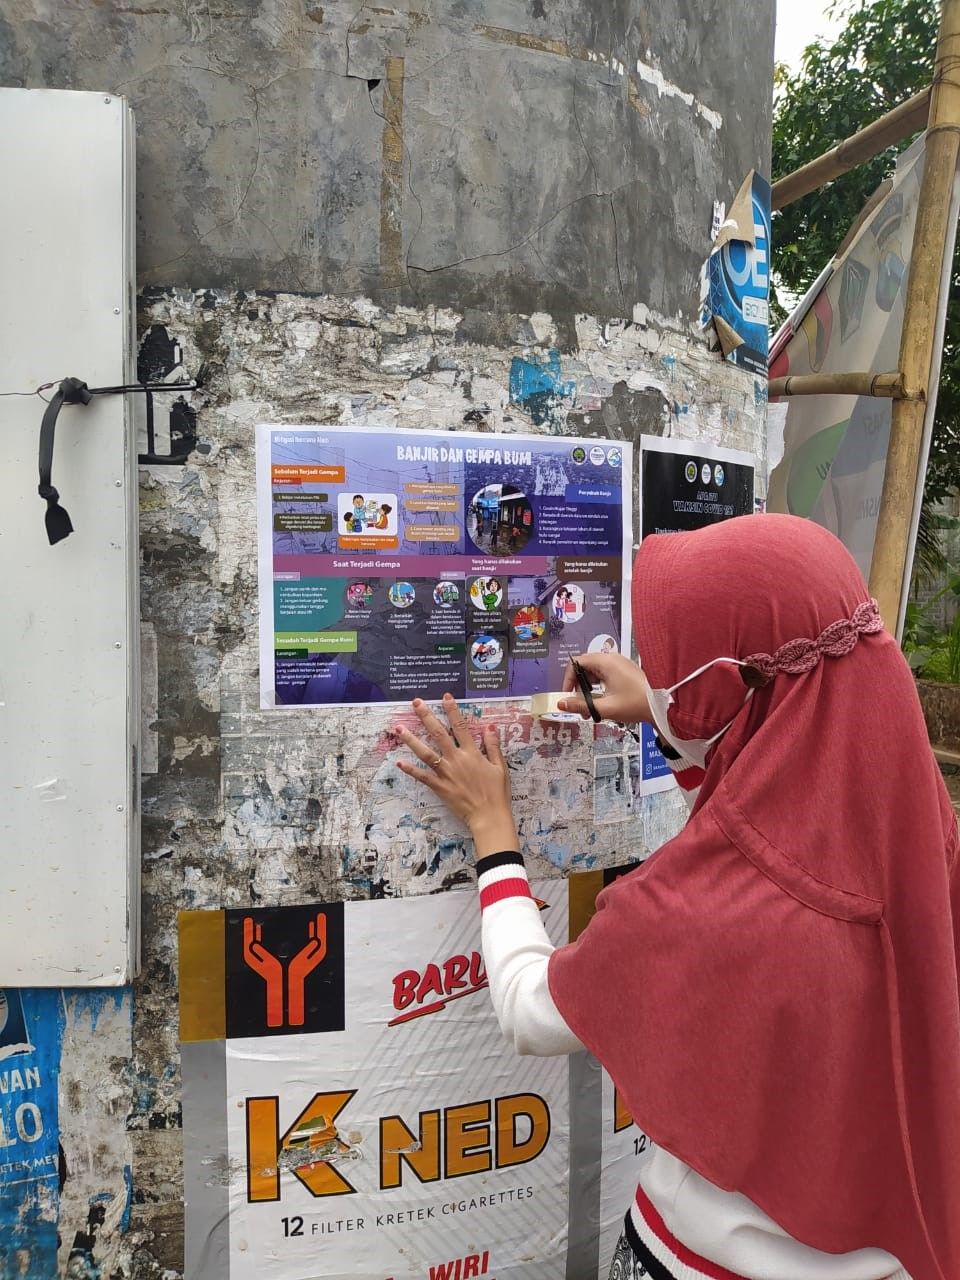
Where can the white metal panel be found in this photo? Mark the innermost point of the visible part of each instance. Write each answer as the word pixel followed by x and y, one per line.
pixel 69 685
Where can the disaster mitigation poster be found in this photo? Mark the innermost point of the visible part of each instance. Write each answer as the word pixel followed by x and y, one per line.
pixel 396 564
pixel 352 1110
pixel 685 485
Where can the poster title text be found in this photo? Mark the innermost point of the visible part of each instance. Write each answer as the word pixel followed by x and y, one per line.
pixel 445 453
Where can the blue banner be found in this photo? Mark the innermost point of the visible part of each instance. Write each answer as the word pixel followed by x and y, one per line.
pixel 31 1034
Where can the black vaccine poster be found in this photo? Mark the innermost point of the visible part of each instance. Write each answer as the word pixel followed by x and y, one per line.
pixel 685 485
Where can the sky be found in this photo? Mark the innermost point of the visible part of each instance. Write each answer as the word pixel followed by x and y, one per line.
pixel 798 23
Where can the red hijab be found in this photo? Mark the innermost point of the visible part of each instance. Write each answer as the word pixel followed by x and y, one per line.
pixel 775 991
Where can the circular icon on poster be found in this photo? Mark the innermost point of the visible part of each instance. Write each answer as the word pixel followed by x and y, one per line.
pixel 359 595
pixel 529 622
pixel 614 457
pixel 486 652
pixel 597 455
pixel 568 603
pixel 402 595
pixel 602 644
pixel 690 471
pixel 719 475
pixel 579 454
pixel 705 473
pixel 486 593
pixel 446 594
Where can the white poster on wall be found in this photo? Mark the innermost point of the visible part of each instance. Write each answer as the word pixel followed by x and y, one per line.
pixel 401 564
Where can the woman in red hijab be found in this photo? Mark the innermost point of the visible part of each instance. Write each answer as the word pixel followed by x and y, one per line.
pixel 775 990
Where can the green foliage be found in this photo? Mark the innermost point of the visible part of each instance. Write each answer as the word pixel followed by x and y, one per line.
pixel 929 561
pixel 932 652
pixel 884 54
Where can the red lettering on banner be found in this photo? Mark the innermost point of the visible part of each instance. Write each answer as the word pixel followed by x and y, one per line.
pixel 405 988
pixel 416 993
pixel 470 1267
pixel 431 985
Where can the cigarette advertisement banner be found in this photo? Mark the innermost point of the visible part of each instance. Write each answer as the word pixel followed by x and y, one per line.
pixel 396 564
pixel 352 1110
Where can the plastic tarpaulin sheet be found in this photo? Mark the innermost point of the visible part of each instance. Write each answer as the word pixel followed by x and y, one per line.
pixel 827 453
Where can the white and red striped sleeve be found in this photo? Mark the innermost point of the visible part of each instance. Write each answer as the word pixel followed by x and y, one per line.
pixel 516 952
pixel 688 777
pixel 502 875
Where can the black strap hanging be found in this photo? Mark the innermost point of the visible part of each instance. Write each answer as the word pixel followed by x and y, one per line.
pixel 73 391
pixel 70 391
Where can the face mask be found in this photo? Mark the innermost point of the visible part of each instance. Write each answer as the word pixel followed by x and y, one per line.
pixel 693 751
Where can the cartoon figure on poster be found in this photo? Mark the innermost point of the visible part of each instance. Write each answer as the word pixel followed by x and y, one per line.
pixel 568 603
pixel 486 593
pixel 486 652
pixel 529 622
pixel 446 594
pixel 367 515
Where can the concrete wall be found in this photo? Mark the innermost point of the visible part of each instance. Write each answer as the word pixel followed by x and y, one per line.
pixel 497 155
pixel 361 214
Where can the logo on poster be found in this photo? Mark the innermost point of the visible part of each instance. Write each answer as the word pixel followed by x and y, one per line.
pixel 746 268
pixel 285 970
pixel 449 1142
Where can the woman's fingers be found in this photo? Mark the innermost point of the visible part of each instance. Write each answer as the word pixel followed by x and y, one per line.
pixel 424 751
pixel 459 726
pixel 594 664
pixel 426 776
pixel 491 744
pixel 437 731
pixel 577 705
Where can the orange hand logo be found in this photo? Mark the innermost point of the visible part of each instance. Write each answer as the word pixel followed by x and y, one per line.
pixel 270 968
pixel 302 964
pixel 262 961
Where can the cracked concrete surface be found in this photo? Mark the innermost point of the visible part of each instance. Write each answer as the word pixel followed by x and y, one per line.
pixel 260 131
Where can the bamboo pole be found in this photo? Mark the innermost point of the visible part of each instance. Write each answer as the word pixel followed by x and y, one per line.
pixel 919 321
pixel 888 385
pixel 909 117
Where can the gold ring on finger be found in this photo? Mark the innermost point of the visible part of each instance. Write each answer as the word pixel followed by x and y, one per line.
pixel 433 763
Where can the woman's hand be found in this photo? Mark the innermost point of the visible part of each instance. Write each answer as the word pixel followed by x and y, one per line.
pixel 473 784
pixel 624 696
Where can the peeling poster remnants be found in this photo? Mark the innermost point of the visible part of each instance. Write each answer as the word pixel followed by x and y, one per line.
pixel 539 387
pixel 31 1033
